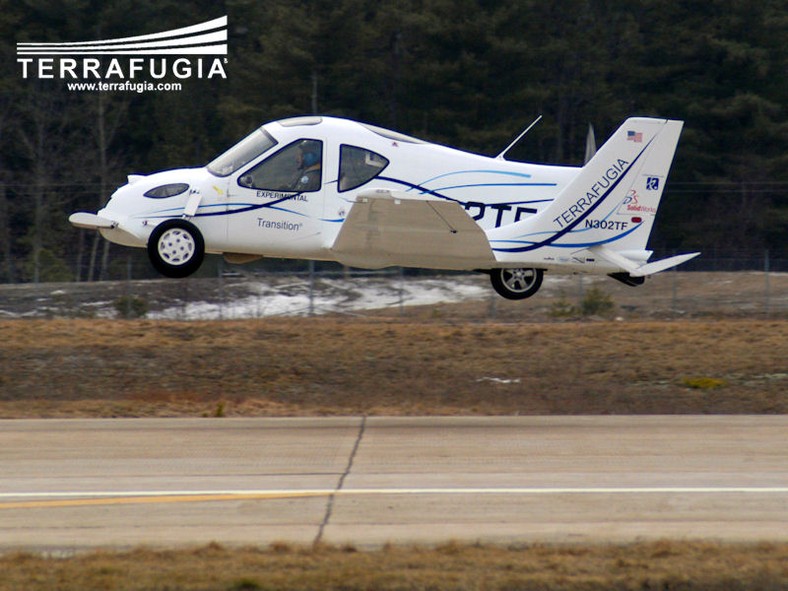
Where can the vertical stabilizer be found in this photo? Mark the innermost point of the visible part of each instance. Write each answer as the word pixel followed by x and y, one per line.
pixel 613 200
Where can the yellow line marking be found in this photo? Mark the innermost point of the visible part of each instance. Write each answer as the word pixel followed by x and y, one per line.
pixel 88 499
pixel 59 503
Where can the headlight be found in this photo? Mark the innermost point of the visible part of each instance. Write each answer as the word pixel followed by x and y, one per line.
pixel 167 190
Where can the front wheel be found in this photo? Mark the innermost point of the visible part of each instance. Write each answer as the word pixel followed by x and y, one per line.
pixel 516 284
pixel 176 248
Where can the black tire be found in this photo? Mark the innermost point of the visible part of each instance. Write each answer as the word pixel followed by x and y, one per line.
pixel 176 248
pixel 516 284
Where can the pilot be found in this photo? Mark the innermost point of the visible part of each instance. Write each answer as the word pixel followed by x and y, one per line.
pixel 308 161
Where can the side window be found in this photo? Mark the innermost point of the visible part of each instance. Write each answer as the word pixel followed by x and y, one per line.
pixel 358 166
pixel 296 168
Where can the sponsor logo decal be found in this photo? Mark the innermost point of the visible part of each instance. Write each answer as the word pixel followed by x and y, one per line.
pixel 632 204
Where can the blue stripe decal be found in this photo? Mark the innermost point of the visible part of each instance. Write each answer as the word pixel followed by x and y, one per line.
pixel 241 208
pixel 450 187
pixel 247 207
pixel 503 172
pixel 550 241
pixel 424 190
pixel 420 188
pixel 564 245
pixel 254 206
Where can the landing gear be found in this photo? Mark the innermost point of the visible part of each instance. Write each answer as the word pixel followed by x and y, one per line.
pixel 176 248
pixel 516 284
pixel 627 279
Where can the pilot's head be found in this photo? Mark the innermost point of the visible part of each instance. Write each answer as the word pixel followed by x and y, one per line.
pixel 310 158
pixel 308 154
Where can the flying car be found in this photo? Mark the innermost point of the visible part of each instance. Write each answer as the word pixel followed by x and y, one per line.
pixel 332 189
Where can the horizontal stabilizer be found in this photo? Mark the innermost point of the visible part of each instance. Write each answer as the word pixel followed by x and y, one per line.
pixel 664 264
pixel 642 270
pixel 390 228
pixel 90 221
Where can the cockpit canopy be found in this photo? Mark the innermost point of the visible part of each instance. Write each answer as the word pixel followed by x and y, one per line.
pixel 297 167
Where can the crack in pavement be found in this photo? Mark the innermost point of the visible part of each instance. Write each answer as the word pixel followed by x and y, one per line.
pixel 341 482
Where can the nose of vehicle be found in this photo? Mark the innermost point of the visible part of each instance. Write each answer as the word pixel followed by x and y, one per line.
pixel 89 221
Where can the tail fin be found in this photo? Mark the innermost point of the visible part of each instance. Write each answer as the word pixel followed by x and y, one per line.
pixel 612 201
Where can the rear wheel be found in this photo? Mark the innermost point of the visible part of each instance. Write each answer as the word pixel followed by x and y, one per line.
pixel 176 248
pixel 516 284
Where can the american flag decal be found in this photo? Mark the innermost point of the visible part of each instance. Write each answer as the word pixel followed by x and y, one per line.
pixel 634 136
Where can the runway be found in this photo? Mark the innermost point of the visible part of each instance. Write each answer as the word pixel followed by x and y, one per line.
pixel 74 484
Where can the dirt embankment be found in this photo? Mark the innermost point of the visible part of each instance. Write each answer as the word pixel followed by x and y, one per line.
pixel 333 366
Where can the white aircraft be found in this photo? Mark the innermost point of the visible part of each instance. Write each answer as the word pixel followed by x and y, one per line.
pixel 331 189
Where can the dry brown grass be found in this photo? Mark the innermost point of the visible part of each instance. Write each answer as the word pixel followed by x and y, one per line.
pixel 333 366
pixel 655 565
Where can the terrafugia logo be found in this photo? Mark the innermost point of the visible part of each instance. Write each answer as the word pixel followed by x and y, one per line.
pixel 119 69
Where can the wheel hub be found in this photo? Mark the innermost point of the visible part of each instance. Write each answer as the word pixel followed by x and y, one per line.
pixel 176 246
pixel 519 279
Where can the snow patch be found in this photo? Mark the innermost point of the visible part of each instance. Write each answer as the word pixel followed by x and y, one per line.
pixel 329 296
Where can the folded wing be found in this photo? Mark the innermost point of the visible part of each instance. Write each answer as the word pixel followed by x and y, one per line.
pixel 390 228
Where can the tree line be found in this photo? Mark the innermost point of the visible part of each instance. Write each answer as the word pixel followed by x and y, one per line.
pixel 467 73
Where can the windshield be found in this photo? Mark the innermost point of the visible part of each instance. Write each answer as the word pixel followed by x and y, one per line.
pixel 243 152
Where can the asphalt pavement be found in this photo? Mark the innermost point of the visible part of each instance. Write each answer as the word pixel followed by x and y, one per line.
pixel 76 484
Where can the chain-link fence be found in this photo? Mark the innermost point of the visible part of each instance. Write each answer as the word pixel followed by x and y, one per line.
pixel 742 286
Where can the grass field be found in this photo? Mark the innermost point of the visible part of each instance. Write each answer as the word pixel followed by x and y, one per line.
pixel 662 565
pixel 341 366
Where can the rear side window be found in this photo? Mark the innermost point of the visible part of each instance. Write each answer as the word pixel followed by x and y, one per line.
pixel 358 166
